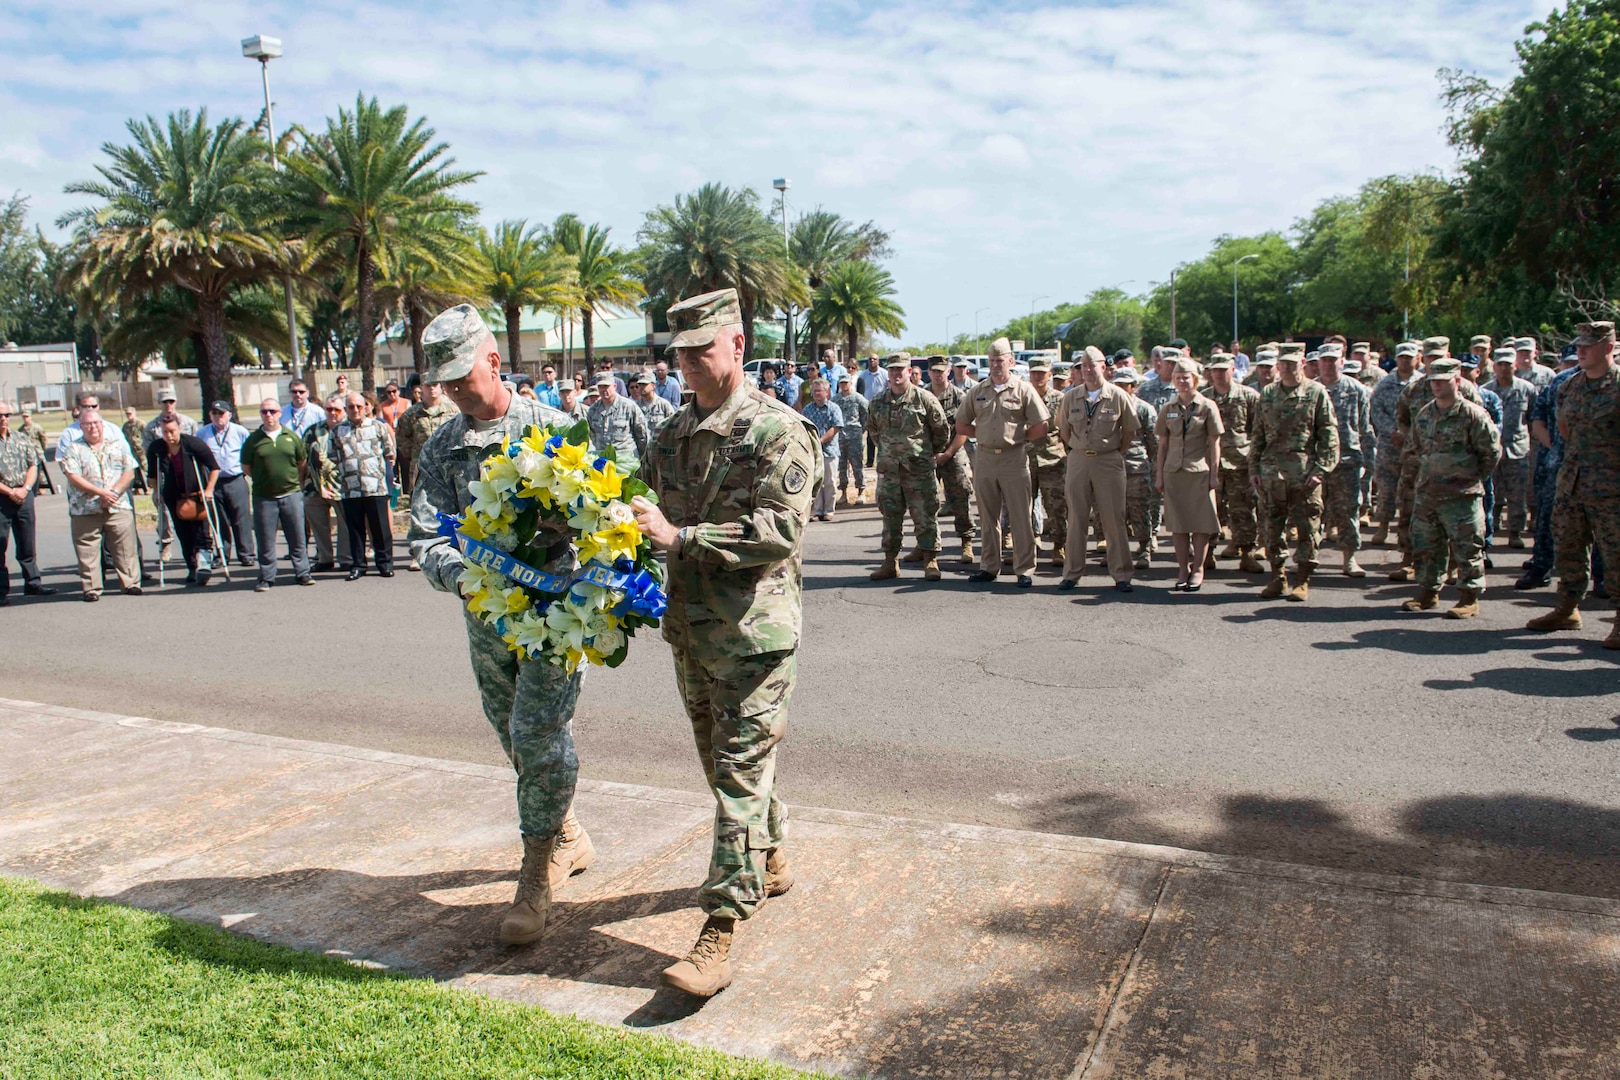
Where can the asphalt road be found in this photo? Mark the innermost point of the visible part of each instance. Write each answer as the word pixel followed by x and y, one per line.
pixel 1340 732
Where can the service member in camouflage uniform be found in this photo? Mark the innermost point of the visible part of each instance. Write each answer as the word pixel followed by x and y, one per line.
pixel 954 476
pixel 1414 395
pixel 1381 414
pixel 1141 457
pixel 1294 448
pixel 1512 480
pixel 1156 390
pixel 851 452
pixel 20 462
pixel 909 429
pixel 735 473
pixel 656 409
pixel 1235 498
pixel 411 433
pixel 529 703
pixel 1586 509
pixel 1341 491
pixel 1048 464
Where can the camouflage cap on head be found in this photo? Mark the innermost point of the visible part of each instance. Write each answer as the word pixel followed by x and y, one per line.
pixel 1504 355
pixel 1594 333
pixel 899 360
pixel 1128 376
pixel 1332 348
pixel 1361 346
pixel 1407 348
pixel 1219 362
pixel 1479 339
pixel 697 319
pixel 1040 363
pixel 451 343
pixel 960 361
pixel 1352 367
pixel 1266 359
pixel 1444 369
pixel 1291 352
pixel 1436 346
pixel 1524 343
pixel 939 363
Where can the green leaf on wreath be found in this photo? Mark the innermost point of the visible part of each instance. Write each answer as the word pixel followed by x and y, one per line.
pixel 619 654
pixel 580 432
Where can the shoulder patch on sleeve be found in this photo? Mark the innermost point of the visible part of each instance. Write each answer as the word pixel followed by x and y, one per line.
pixel 795 479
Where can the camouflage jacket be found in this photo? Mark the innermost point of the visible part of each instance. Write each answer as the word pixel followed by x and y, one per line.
pixel 854 408
pixel 1141 456
pixel 416 425
pixel 1516 397
pixel 909 429
pixel 1048 450
pixel 1589 417
pixel 449 462
pixel 1352 412
pixel 1294 435
pixel 320 471
pixel 657 410
pixel 1154 392
pixel 1416 394
pixel 1456 449
pixel 738 484
pixel 1240 408
pixel 950 400
pixel 1381 409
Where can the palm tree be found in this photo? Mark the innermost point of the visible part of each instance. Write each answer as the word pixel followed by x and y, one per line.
pixel 419 285
pixel 165 321
pixel 855 300
pixel 717 238
pixel 182 209
pixel 520 269
pixel 373 191
pixel 606 281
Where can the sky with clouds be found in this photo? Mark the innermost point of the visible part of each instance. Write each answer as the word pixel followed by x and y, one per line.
pixel 1014 150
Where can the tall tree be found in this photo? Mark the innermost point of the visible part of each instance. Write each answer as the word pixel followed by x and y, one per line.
pixel 372 189
pixel 521 268
pixel 1203 294
pixel 607 282
pixel 180 208
pixel 419 284
pixel 857 299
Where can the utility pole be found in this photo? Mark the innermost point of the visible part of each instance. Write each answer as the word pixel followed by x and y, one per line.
pixel 948 319
pixel 781 184
pixel 1172 305
pixel 1030 344
pixel 264 49
pixel 976 315
pixel 1245 259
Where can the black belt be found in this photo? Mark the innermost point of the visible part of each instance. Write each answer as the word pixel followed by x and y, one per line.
pixel 237 476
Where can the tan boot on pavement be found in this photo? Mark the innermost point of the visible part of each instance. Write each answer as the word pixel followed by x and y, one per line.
pixel 525 920
pixel 1248 563
pixel 1302 588
pixel 1058 555
pixel 1230 551
pixel 967 552
pixel 1276 586
pixel 1380 537
pixel 1403 572
pixel 1423 601
pixel 1352 568
pixel 573 853
pixel 889 569
pixel 707 968
pixel 930 567
pixel 1613 640
pixel 1566 616
pixel 1467 605
pixel 914 555
pixel 778 878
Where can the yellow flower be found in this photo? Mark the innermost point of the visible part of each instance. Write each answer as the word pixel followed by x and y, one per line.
pixel 608 545
pixel 606 483
pixel 499 602
pixel 571 456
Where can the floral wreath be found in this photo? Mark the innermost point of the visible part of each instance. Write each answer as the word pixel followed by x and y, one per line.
pixel 551 478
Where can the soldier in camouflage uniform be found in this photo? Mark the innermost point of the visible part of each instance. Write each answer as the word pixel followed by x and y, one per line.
pixel 1456 447
pixel 1235 498
pixel 1341 491
pixel 529 703
pixel 1264 369
pixel 735 474
pixel 1294 447
pixel 416 425
pixel 851 453
pixel 1140 458
pixel 1512 480
pixel 1586 508
pixel 1156 390
pixel 1381 414
pixel 1414 395
pixel 954 477
pixel 909 429
pixel 1048 462
pixel 37 433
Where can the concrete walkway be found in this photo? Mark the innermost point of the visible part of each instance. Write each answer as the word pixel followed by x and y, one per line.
pixel 908 948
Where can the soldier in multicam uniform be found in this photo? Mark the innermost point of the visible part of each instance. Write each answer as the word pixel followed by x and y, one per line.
pixel 1295 446
pixel 1456 447
pixel 1414 395
pixel 1586 509
pixel 851 452
pixel 1235 498
pixel 1140 458
pixel 1264 370
pixel 954 477
pixel 416 425
pixel 735 473
pixel 529 703
pixel 1048 464
pixel 1365 368
pixel 909 429
pixel 1381 414
pixel 1341 490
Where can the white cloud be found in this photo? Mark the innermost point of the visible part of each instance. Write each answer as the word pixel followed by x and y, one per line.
pixel 1077 145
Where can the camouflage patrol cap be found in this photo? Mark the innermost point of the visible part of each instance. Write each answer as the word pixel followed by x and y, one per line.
pixel 1594 333
pixel 1407 348
pixel 1352 367
pixel 960 361
pixel 1266 360
pixel 451 343
pixel 698 319
pixel 1291 352
pixel 1479 339
pixel 1524 343
pixel 1444 369
pixel 938 363
pixel 1361 346
pixel 1436 346
pixel 898 360
pixel 1505 355
pixel 1040 363
pixel 1128 376
pixel 1331 348
pixel 1219 362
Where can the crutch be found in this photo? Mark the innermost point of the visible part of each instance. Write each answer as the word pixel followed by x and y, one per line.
pixel 218 549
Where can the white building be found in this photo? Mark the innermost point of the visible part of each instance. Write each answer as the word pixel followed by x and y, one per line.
pixel 37 374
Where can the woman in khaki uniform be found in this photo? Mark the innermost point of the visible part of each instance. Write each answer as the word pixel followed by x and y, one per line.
pixel 1096 421
pixel 1189 470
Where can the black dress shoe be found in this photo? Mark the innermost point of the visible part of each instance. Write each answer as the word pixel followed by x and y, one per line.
pixel 5 601
pixel 39 590
pixel 323 567
pixel 1599 591
pixel 355 575
pixel 385 573
pixel 1025 581
pixel 1067 584
pixel 1532 580
pixel 981 575
pixel 91 597
pixel 1124 586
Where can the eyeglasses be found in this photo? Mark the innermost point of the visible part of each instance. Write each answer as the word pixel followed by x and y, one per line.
pixel 269 412
pixel 299 390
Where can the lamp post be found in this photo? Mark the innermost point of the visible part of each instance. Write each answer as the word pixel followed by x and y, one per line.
pixel 1033 301
pixel 976 315
pixel 1235 265
pixel 781 184
pixel 1119 288
pixel 1172 304
pixel 265 49
pixel 948 319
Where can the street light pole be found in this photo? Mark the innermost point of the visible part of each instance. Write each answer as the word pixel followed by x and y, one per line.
pixel 264 49
pixel 976 315
pixel 781 184
pixel 948 319
pixel 1033 301
pixel 1117 289
pixel 1172 304
pixel 1245 259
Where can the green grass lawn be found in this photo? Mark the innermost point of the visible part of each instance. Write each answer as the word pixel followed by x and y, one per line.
pixel 94 989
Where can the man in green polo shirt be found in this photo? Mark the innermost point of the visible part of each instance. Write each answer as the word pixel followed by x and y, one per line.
pixel 270 458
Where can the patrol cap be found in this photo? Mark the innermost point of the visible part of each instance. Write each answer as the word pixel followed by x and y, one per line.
pixel 604 378
pixel 1291 352
pixel 1436 346
pixel 960 361
pixel 1313 356
pixel 939 363
pixel 1040 363
pixel 1594 333
pixel 167 395
pixel 1407 348
pixel 1504 355
pixel 1001 347
pixel 1524 343
pixel 846 380
pixel 698 319
pixel 1479 339
pixel 1332 348
pixel 1352 367
pixel 1266 359
pixel 1061 369
pixel 1444 369
pixel 1361 346
pixel 1468 360
pixel 452 342
pixel 1128 376
pixel 645 379
pixel 898 360
pixel 1219 362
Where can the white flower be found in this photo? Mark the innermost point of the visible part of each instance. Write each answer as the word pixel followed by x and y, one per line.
pixel 533 466
pixel 584 513
pixel 474 577
pixel 607 642
pixel 529 632
pixel 566 625
pixel 488 498
pixel 500 473
pixel 616 513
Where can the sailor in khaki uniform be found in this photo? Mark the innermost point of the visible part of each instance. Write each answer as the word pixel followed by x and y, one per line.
pixel 1096 420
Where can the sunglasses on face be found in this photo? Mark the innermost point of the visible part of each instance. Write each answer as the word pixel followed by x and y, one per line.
pixel 269 412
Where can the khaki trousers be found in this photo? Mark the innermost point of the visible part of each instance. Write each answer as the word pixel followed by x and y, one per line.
pixel 1001 480
pixel 118 527
pixel 1096 482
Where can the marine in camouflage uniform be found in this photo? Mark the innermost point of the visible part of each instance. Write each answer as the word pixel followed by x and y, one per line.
pixel 529 703
pixel 1456 447
pixel 1140 457
pixel 955 479
pixel 1341 489
pixel 909 429
pixel 1414 395
pixel 1235 499
pixel 737 483
pixel 1048 466
pixel 1294 447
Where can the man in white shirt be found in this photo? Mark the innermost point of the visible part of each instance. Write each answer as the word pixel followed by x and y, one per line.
pixel 100 471
pixel 231 499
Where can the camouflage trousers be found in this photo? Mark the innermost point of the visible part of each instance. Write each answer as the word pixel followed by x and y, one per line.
pixel 1139 506
pixel 1368 469
pixel 1292 502
pixel 1051 482
pixel 1341 504
pixel 1513 493
pixel 1387 474
pixel 738 709
pixel 958 501
pixel 850 460
pixel 1448 531
pixel 1235 503
pixel 917 491
pixel 1404 492
pixel 530 704
pixel 1581 523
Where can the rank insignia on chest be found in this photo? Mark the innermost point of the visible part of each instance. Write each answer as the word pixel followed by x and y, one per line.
pixel 796 478
pixel 739 428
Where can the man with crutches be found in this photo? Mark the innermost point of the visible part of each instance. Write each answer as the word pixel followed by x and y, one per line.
pixel 186 472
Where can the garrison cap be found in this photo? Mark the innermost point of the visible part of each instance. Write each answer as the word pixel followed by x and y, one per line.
pixel 451 341
pixel 697 319
pixel 1092 355
pixel 1479 339
pixel 1219 362
pixel 1436 346
pixel 1001 347
pixel 1594 333
pixel 1444 369
pixel 1128 376
pixel 1504 355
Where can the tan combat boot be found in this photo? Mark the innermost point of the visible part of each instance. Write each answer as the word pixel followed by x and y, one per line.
pixel 1302 588
pixel 1144 558
pixel 525 920
pixel 914 555
pixel 1566 616
pixel 1403 572
pixel 573 853
pixel 1209 560
pixel 778 878
pixel 1248 563
pixel 707 968
pixel 1613 640
pixel 889 569
pixel 1381 536
pixel 1276 586
pixel 967 552
pixel 930 567
pixel 1467 605
pixel 1423 601
pixel 1231 551
pixel 1352 568
pixel 1058 555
